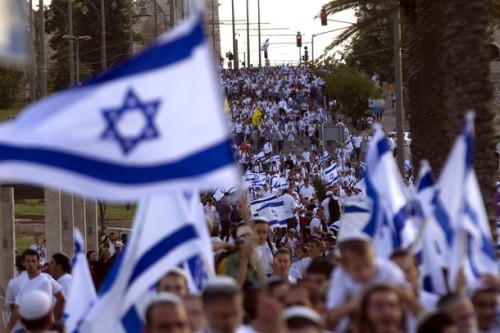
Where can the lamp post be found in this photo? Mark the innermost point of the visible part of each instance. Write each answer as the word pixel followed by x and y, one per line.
pixel 258 24
pixel 77 40
pixel 248 35
pixel 235 45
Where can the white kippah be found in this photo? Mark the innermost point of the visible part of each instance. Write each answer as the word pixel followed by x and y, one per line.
pixel 302 312
pixel 222 284
pixel 35 304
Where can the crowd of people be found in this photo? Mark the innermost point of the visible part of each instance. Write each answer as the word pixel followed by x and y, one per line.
pixel 296 277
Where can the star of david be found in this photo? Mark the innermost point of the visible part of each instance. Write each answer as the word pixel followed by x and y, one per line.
pixel 131 104
pixel 274 213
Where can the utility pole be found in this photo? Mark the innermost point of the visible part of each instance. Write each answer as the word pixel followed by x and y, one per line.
pixel 43 65
pixel 155 19
pixel 399 94
pixel 130 29
pixel 235 47
pixel 172 14
pixel 248 35
pixel 258 22
pixel 32 54
pixel 71 53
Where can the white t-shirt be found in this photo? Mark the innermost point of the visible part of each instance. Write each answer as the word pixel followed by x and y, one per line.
pixel 343 287
pixel 265 256
pixel 307 192
pixel 301 265
pixel 315 223
pixel 65 282
pixel 11 292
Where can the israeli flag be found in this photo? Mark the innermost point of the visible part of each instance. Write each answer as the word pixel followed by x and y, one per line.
pixel 13 45
pixel 278 182
pixel 165 236
pixel 471 242
pixel 274 211
pixel 219 191
pixel 274 158
pixel 265 46
pixel 331 175
pixel 82 294
pixel 255 205
pixel 324 158
pixel 432 248
pixel 152 123
pixel 390 224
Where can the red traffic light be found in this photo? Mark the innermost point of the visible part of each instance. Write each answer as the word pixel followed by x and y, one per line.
pixel 324 17
pixel 299 40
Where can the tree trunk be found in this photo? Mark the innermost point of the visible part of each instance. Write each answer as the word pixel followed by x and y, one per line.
pixel 468 87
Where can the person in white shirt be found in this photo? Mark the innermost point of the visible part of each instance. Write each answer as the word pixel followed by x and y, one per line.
pixel 307 191
pixel 39 247
pixel 13 288
pixel 36 281
pixel 265 249
pixel 289 208
pixel 356 142
pixel 60 269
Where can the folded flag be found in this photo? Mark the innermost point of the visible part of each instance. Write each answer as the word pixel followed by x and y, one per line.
pixel 13 45
pixel 152 123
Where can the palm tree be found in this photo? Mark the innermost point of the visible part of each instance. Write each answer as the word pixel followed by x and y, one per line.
pixel 448 74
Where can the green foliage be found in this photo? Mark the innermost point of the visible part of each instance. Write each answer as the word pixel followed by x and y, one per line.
pixel 351 88
pixel 320 188
pixel 9 86
pixel 117 46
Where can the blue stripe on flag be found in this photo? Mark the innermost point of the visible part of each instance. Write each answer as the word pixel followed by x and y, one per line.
pixel 194 165
pixel 271 204
pixel 132 321
pixel 159 55
pixel 355 209
pixel 159 250
pixel 426 181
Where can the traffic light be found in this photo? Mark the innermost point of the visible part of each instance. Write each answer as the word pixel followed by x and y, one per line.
pixel 265 54
pixel 299 39
pixel 306 54
pixel 324 17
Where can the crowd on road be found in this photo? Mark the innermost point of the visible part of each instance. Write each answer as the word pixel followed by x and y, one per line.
pixel 292 277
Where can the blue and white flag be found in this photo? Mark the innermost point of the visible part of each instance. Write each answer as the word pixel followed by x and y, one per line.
pixel 331 175
pixel 278 182
pixel 471 244
pixel 275 158
pixel 219 191
pixel 432 248
pixel 390 224
pixel 152 123
pixel 273 209
pixel 408 164
pixel 265 46
pixel 13 44
pixel 165 235
pixel 324 158
pixel 82 294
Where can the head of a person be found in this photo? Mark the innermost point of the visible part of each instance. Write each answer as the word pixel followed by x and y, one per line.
pixel 485 302
pixel 174 282
pixel 196 314
pixel 112 236
pixel 408 264
pixel 118 248
pixel 381 310
pixel 301 319
pixel 315 248
pixel 19 263
pixel 437 322
pixel 329 242
pixel 91 255
pixel 60 264
pixel 278 287
pixel 35 310
pixel 31 260
pixel 38 238
pixel 105 254
pixel 166 313
pixel 461 310
pixel 318 273
pixel 261 228
pixel 302 252
pixel 223 304
pixel 358 259
pixel 282 261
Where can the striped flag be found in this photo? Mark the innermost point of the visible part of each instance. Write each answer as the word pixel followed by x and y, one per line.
pixel 154 248
pixel 163 129
pixel 82 294
pixel 265 46
pixel 390 224
pixel 331 175
pixel 272 208
pixel 463 207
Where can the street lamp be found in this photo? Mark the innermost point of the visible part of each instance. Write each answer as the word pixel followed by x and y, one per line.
pixel 77 40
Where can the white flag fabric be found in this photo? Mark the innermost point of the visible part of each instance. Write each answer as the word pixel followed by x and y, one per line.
pixel 433 249
pixel 463 206
pixel 331 175
pixel 13 45
pixel 390 224
pixel 272 208
pixel 82 294
pixel 152 123
pixel 354 218
pixel 164 236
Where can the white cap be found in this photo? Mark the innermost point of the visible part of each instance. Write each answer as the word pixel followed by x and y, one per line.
pixel 221 284
pixel 329 193
pixel 35 304
pixel 302 312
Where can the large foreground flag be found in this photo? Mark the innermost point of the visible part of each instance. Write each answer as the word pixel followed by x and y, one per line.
pixel 152 123
pixel 463 206
pixel 390 223
pixel 13 46
pixel 82 294
pixel 164 236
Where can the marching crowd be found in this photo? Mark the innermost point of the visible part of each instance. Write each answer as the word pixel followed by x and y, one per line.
pixel 291 277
